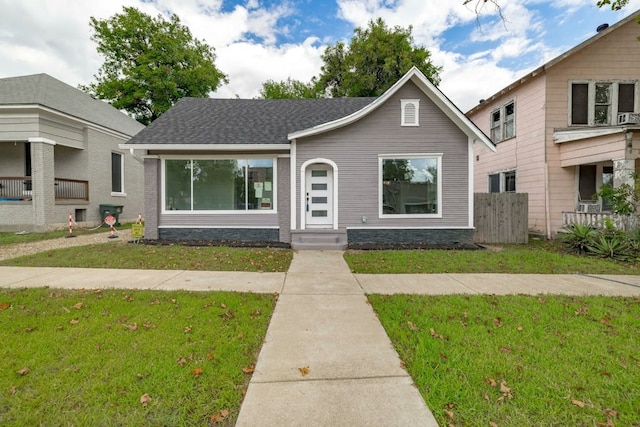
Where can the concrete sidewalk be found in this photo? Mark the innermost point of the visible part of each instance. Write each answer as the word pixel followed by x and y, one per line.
pixel 326 360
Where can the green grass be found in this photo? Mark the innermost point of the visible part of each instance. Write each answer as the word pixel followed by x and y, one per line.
pixel 536 257
pixel 92 355
pixel 562 361
pixel 176 257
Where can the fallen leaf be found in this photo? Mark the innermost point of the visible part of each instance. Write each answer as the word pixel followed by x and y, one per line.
pixel 209 356
pixel 133 327
pixel 435 335
pixel 23 371
pixel 59 327
pixel 605 373
pixel 145 399
pixel 4 306
pixel 578 403
pixel 223 305
pixel 188 329
pixel 491 382
pixel 492 424
pixel 13 390
pixel 412 326
pixel 611 413
pixel 520 328
pixel 197 372
pixel 240 336
pixel 498 322
pixel 248 370
pixel 504 388
pixel 74 321
pixel 605 320
pixel 505 349
pixel 304 371
pixel 182 361
pixel 219 416
pixel 449 414
pixel 582 311
pixel 609 423
pixel 78 306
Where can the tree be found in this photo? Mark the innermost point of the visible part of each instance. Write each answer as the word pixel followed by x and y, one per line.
pixel 150 63
pixel 288 89
pixel 479 4
pixel 375 59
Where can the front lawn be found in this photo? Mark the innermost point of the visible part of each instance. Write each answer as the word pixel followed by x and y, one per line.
pixel 114 357
pixel 535 258
pixel 520 360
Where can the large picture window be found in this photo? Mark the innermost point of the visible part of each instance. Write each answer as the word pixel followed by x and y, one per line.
pixel 410 185
pixel 218 184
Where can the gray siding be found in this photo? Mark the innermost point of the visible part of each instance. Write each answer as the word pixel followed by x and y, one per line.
pixel 355 150
pixel 284 199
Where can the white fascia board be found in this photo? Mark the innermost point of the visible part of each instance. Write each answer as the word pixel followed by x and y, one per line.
pixel 432 92
pixel 208 147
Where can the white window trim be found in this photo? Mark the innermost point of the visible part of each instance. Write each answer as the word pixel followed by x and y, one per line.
pixel 403 104
pixel 501 126
pixel 437 156
pixel 163 209
pixel 591 96
pixel 122 192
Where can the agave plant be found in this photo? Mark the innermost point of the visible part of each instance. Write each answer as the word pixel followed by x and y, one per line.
pixel 578 237
pixel 614 247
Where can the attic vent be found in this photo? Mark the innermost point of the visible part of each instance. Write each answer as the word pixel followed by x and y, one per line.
pixel 602 27
pixel 410 112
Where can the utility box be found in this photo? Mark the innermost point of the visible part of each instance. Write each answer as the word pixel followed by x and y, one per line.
pixel 113 210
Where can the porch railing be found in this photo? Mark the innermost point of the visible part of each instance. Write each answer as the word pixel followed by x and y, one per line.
pixel 20 188
pixel 597 220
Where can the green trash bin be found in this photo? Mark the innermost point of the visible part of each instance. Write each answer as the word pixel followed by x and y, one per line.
pixel 113 210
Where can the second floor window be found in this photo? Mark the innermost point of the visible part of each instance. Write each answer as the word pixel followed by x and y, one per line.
pixel 599 103
pixel 503 123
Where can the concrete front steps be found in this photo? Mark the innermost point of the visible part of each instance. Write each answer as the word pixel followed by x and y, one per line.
pixel 319 239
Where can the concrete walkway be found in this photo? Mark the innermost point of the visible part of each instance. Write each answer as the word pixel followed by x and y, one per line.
pixel 326 360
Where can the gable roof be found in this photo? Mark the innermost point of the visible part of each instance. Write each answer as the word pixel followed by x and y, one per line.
pixel 204 121
pixel 244 124
pixel 429 89
pixel 543 68
pixel 46 91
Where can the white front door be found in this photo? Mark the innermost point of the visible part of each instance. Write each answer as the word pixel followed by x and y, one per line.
pixel 319 196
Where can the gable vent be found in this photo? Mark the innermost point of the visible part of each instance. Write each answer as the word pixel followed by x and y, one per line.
pixel 410 112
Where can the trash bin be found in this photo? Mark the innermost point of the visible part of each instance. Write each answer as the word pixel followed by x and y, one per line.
pixel 113 210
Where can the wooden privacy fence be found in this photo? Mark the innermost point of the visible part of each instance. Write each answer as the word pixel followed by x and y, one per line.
pixel 501 217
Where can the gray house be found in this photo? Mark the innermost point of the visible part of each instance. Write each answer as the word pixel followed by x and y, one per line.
pixel 59 154
pixel 316 173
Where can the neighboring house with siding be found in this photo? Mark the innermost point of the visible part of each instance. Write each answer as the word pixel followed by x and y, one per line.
pixel 59 154
pixel 316 173
pixel 565 129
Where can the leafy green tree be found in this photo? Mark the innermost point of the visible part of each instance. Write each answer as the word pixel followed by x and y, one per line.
pixel 288 89
pixel 150 63
pixel 479 4
pixel 375 59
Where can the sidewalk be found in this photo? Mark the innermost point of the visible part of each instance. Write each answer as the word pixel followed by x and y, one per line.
pixel 326 360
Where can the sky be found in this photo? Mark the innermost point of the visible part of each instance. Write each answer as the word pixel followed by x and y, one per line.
pixel 259 40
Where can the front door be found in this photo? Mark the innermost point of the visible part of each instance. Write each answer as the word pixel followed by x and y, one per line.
pixel 319 196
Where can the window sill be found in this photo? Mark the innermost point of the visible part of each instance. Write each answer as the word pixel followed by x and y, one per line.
pixel 118 194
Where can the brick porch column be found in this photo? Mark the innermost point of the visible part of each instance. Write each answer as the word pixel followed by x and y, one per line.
pixel 42 182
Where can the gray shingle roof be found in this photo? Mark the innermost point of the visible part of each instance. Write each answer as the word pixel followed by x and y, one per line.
pixel 243 121
pixel 42 89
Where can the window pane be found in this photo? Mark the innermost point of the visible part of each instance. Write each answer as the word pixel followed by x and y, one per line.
pixel 116 172
pixel 319 173
pixel 626 97
pixel 218 184
pixel 319 187
pixel 579 103
pixel 494 183
pixel 177 184
pixel 509 120
pixel 602 93
pixel 495 126
pixel 410 186
pixel 319 213
pixel 601 116
pixel 260 184
pixel 318 200
pixel 510 181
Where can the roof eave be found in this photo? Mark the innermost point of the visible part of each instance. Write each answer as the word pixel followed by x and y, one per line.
pixel 207 147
